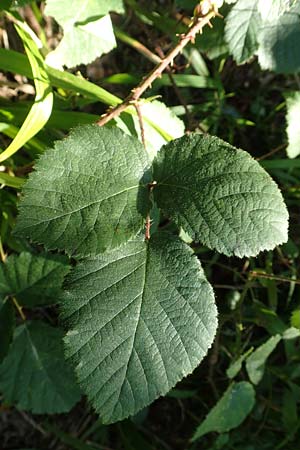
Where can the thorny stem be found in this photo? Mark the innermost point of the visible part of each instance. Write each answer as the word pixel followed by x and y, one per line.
pixel 132 99
pixel 137 92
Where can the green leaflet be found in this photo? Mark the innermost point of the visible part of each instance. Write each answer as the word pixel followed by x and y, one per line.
pixel 44 384
pixel 33 279
pixel 88 194
pixel 141 317
pixel 236 365
pixel 95 194
pixel 279 42
pixel 230 411
pixel 241 30
pixel 88 30
pixel 219 195
pixel 255 363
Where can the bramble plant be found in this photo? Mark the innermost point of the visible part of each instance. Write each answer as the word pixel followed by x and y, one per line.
pixel 140 312
pixel 118 206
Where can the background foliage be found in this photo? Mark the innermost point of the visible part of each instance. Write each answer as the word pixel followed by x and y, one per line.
pixel 240 82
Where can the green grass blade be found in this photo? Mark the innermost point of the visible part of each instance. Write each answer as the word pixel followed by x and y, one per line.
pixel 42 107
pixel 10 181
pixel 15 62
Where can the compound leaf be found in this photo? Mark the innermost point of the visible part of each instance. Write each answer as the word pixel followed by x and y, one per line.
pixel 34 375
pixel 141 318
pixel 87 194
pixel 33 279
pixel 242 27
pixel 219 195
pixel 230 411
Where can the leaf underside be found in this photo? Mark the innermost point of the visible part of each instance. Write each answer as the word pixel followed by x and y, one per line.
pixel 242 27
pixel 219 195
pixel 88 194
pixel 141 317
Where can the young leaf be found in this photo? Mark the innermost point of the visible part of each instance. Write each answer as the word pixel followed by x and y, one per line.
pixel 141 318
pixel 219 195
pixel 241 30
pixel 255 363
pixel 230 411
pixel 85 23
pixel 88 194
pixel 279 42
pixel 293 114
pixel 34 375
pixel 33 279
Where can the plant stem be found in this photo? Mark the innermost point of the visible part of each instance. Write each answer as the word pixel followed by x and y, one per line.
pixel 19 308
pixel 137 92
pixel 268 276
pixel 138 46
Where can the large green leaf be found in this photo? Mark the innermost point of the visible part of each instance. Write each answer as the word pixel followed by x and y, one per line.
pixel 293 118
pixel 230 411
pixel 141 317
pixel 87 29
pixel 88 194
pixel 33 279
pixel 242 27
pixel 219 195
pixel 34 376
pixel 279 42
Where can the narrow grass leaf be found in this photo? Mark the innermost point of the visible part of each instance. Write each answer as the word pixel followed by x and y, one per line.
pixel 42 107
